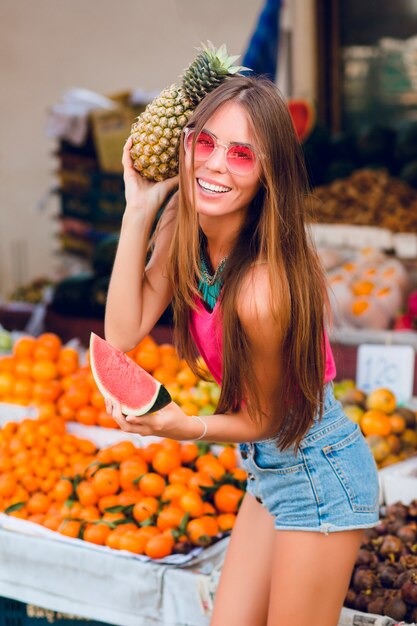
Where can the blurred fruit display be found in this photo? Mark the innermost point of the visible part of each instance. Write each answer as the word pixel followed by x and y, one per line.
pixel 390 430
pixel 368 290
pixel 164 498
pixel 384 579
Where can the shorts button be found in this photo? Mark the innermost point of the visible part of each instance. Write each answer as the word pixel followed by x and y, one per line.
pixel 244 454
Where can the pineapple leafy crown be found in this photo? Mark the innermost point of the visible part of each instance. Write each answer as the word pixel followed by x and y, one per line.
pixel 208 70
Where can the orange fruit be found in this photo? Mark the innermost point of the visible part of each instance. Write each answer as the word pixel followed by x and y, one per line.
pixel 167 349
pixel 170 517
pixel 208 464
pixel 70 528
pixel 164 376
pixel 105 420
pixel 152 484
pixel 107 502
pixel 89 513
pixel 51 342
pixel 52 522
pixel 86 415
pixel 202 530
pixel 78 395
pixel 23 348
pixel 38 503
pixel 8 484
pixel 122 451
pixel 159 546
pixel 130 471
pixel 165 461
pixel 23 389
pixel 227 498
pixel 398 423
pixel 239 474
pixel 68 362
pixel 6 383
pixel 132 542
pixel 148 358
pixel 150 451
pixel 198 480
pixel 106 481
pixel 186 378
pixel 86 493
pixel 180 475
pixel 375 422
pixel 128 497
pixel 188 452
pixel 228 458
pixel 192 503
pixel 43 370
pixel 145 508
pixel 173 492
pixel 96 533
pixel 62 490
pixel 170 363
pixel 23 368
pixel 97 400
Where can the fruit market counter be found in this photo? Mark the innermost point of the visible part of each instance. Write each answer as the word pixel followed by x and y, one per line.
pixel 96 584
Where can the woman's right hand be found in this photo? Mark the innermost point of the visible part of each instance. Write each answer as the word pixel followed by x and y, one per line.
pixel 142 194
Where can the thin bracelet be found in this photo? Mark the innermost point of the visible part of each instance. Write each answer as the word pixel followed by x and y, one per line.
pixel 200 419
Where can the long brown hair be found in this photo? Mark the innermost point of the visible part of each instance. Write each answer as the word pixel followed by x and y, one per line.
pixel 274 231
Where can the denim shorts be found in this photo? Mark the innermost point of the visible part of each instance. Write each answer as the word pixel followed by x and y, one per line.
pixel 331 484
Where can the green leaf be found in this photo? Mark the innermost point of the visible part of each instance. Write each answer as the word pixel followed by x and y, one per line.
pixel 14 507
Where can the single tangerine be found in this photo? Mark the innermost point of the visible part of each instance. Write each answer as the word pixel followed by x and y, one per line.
pixel 132 542
pixel 86 493
pixel 202 530
pixel 228 498
pixel 122 451
pixel 227 458
pixel 62 490
pixel 130 471
pixel 86 415
pixel 145 508
pixel 70 528
pixel 192 503
pixel 24 347
pixel 375 422
pixel 188 452
pixel 96 533
pixel 170 517
pixel 152 484
pixel 105 420
pixel 165 461
pixel 106 481
pixel 159 547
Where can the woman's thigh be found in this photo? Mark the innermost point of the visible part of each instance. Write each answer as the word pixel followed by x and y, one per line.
pixel 310 576
pixel 242 596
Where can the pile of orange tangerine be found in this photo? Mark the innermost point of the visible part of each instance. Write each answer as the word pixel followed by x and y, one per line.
pixel 44 373
pixel 156 500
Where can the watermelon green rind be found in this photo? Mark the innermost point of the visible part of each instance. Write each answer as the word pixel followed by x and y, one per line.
pixel 121 370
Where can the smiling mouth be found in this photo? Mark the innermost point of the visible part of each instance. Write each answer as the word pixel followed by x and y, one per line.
pixel 212 188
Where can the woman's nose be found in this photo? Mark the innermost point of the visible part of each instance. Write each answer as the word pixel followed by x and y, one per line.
pixel 217 159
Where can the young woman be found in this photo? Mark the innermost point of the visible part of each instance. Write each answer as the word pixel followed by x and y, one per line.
pixel 248 293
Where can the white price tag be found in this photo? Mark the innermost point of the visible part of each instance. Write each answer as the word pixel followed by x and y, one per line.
pixel 391 367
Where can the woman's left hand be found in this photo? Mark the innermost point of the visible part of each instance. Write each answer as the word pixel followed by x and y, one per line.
pixel 171 422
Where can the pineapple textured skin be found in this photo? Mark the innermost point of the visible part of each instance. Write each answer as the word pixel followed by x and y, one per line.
pixel 156 134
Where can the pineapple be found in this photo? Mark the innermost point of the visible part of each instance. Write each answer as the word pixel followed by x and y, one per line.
pixel 156 132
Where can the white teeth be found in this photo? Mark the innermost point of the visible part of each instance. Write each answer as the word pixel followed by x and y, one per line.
pixel 209 187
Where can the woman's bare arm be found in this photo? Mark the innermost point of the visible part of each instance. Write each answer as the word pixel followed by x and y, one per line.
pixel 138 296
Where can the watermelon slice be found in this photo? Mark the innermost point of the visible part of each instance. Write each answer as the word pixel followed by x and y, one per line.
pixel 121 379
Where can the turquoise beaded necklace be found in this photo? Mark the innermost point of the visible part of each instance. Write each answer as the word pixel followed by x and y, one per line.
pixel 210 284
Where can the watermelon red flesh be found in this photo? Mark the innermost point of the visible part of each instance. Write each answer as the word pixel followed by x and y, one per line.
pixel 121 379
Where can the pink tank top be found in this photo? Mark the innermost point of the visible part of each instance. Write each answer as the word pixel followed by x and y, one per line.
pixel 206 330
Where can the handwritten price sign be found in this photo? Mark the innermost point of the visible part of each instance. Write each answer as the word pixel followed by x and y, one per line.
pixel 391 367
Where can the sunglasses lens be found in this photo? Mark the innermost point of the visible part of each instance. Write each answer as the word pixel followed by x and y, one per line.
pixel 204 145
pixel 240 159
